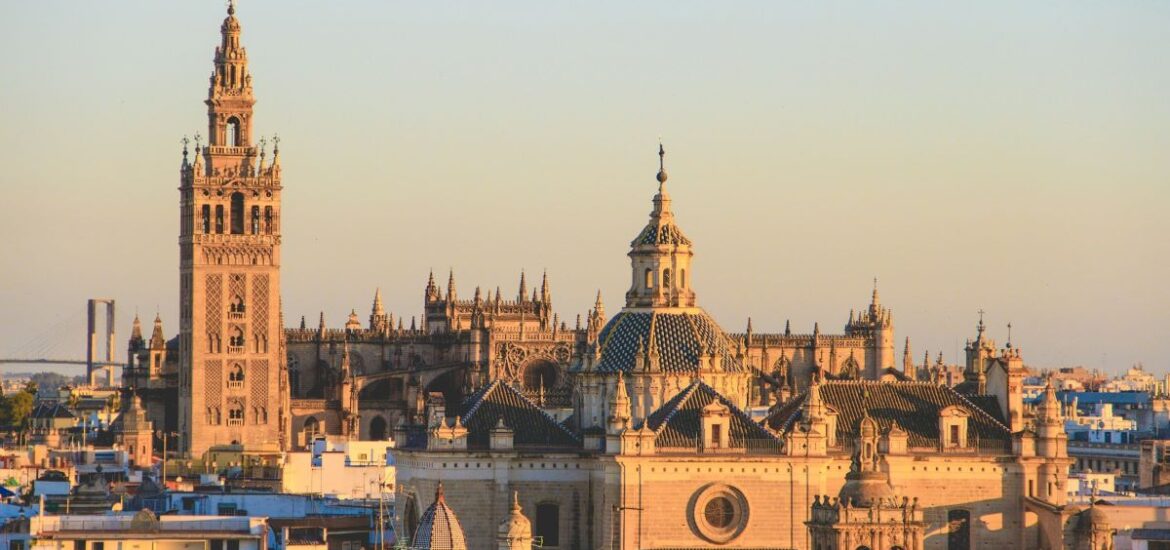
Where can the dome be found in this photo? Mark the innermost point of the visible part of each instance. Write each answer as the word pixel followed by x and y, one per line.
pixel 863 488
pixel 515 527
pixel 679 338
pixel 438 528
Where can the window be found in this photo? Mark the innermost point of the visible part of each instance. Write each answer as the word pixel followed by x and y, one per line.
pixel 954 435
pixel 548 524
pixel 232 132
pixel 666 278
pixel 716 435
pixel 235 417
pixel 233 544
pixel 237 213
pixel 255 220
pixel 268 220
pixel 236 340
pixel 219 218
pixel 719 512
pixel 206 218
pixel 682 278
pixel 236 376
pixel 958 530
pixel 99 546
pixel 649 278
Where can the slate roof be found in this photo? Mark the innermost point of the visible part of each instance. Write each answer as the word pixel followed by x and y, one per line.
pixel 680 337
pixel 915 406
pixel 661 233
pixel 532 427
pixel 55 410
pixel 678 422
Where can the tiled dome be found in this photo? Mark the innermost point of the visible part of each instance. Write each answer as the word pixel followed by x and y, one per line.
pixel 438 528
pixel 679 337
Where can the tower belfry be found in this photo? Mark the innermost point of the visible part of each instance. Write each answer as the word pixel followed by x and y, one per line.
pixel 232 386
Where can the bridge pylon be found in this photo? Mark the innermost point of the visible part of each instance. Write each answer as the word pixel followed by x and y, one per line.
pixel 91 348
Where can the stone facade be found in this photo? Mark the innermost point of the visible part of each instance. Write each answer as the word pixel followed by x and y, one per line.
pixel 231 343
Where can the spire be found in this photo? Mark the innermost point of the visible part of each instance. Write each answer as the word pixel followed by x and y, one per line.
pixel 545 293
pixel 661 168
pixel 136 329
pixel 439 498
pixel 451 285
pixel 598 306
pixel 230 101
pixel 321 322
pixel 1009 338
pixel 523 288
pixel 907 362
pixel 303 322
pixel 157 340
pixel 788 327
pixel 431 293
pixel 378 309
pixel 874 301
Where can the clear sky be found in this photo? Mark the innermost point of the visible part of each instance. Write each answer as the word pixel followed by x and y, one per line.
pixel 999 155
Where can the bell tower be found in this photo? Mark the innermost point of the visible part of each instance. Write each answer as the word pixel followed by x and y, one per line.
pixel 232 380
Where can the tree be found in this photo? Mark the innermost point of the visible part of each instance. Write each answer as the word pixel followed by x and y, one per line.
pixel 16 408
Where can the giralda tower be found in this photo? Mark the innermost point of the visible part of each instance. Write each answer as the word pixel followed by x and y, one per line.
pixel 232 380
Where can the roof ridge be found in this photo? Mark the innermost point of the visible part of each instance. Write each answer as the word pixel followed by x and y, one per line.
pixel 980 410
pixel 479 398
pixel 674 403
pixel 543 412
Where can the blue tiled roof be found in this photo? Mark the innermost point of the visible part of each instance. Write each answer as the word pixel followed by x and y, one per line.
pixel 680 338
pixel 666 233
pixel 678 423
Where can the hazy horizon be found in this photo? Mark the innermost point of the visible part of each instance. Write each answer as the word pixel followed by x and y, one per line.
pixel 997 156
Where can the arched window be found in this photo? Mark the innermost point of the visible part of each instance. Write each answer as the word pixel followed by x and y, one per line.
pixel 235 414
pixel 237 306
pixel 267 220
pixel 649 278
pixel 255 220
pixel 206 218
pixel 958 530
pixel 682 278
pixel 219 218
pixel 378 429
pixel 236 340
pixel 666 278
pixel 237 213
pixel 232 131
pixel 236 376
pixel 548 524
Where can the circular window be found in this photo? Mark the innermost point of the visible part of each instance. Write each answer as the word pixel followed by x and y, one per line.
pixel 719 513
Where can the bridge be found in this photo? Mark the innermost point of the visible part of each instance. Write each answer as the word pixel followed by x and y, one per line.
pixel 56 344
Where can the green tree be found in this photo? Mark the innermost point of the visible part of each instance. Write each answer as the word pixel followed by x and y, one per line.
pixel 16 408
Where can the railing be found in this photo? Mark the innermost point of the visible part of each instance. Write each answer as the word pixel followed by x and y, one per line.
pixel 124 524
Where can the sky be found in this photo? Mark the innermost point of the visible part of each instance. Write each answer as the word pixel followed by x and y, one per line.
pixel 994 155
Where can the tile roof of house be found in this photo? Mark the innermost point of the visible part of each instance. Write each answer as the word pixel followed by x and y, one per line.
pixel 680 337
pixel 678 423
pixel 531 426
pixel 52 410
pixel 915 406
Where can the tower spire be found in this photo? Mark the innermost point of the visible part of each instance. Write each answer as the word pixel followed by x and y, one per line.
pixel 660 255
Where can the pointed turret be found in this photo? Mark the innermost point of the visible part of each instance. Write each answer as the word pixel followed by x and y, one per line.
pixel 379 321
pixel 907 362
pixel 431 293
pixel 321 323
pixel 619 406
pixel 303 327
pixel 522 295
pixel 545 292
pixel 137 342
pixel 157 340
pixel 451 286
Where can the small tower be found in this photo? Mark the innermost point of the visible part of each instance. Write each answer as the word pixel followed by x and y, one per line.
pixel 515 532
pixel 379 321
pixel 135 433
pixel 660 256
pixel 158 348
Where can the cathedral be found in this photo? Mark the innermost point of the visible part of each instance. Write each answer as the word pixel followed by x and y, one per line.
pixel 652 427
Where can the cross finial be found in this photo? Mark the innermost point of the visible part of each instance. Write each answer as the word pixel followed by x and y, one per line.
pixel 198 140
pixel 231 7
pixel 981 312
pixel 1009 338
pixel 275 143
pixel 263 144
